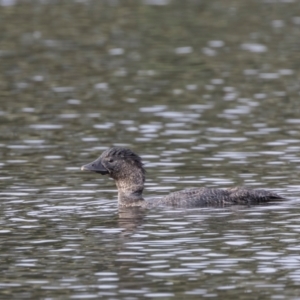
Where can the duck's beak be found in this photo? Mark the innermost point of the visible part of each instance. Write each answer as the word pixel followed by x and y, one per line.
pixel 95 166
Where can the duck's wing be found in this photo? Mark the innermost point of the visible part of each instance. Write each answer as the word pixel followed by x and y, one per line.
pixel 196 197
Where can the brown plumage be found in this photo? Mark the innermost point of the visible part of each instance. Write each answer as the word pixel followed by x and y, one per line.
pixel 126 168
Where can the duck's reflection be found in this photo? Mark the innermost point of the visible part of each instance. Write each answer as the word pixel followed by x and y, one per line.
pixel 131 217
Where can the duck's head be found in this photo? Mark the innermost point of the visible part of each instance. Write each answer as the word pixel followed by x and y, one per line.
pixel 117 162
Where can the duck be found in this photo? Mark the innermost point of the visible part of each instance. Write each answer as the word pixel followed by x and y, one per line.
pixel 126 168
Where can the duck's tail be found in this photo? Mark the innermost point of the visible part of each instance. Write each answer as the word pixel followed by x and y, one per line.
pixel 243 195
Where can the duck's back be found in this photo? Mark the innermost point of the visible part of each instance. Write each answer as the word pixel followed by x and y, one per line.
pixel 201 197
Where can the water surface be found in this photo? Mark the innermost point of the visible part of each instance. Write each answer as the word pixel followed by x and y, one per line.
pixel 206 92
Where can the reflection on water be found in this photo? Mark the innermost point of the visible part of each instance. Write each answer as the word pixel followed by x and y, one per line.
pixel 205 91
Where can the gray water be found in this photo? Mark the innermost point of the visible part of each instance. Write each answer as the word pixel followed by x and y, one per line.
pixel 207 92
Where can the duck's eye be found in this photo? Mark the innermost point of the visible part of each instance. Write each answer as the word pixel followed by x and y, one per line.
pixel 111 160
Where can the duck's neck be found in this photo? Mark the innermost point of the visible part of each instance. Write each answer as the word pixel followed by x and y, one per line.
pixel 130 199
pixel 130 189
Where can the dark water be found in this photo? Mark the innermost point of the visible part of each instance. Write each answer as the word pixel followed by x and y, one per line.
pixel 206 91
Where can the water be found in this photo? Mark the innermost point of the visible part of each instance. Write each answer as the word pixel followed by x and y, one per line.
pixel 206 92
